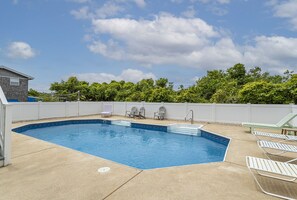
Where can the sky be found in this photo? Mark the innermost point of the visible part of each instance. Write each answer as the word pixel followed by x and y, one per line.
pixel 100 41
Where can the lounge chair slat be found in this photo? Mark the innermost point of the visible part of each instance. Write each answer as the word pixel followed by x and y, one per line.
pixel 294 168
pixel 273 135
pixel 278 146
pixel 267 165
pixel 289 170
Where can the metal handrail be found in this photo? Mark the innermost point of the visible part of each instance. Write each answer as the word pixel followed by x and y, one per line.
pixel 192 116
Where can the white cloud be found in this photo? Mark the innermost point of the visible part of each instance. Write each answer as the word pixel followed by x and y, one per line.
pixel 190 12
pixel 140 3
pixel 132 75
pixel 164 40
pixel 275 52
pixel 108 9
pixel 80 1
pixel 212 1
pixel 20 50
pixel 82 13
pixel 286 9
pixel 177 1
pixel 169 40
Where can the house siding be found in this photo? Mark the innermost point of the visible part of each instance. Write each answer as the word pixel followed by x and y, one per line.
pixel 14 92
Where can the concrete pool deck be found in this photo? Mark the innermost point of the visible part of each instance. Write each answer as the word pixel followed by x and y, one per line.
pixel 41 170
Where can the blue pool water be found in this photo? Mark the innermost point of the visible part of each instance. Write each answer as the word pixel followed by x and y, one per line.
pixel 140 148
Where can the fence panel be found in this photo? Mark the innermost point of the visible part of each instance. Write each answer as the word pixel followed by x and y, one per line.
pixel 119 108
pixel 225 113
pixel 202 112
pixel 89 108
pixel 231 113
pixel 269 113
pixel 51 109
pixel 25 111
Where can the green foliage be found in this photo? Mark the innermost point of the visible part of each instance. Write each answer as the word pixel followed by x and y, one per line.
pixel 263 92
pixel 235 85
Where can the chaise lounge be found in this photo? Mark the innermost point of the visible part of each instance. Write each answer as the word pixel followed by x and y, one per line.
pixel 283 123
pixel 277 148
pixel 272 169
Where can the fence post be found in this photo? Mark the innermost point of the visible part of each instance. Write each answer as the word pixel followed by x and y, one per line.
pixel 249 112
pixel 213 112
pixel 78 113
pixel 186 109
pixel 294 110
pixel 66 108
pixel 7 133
pixel 38 110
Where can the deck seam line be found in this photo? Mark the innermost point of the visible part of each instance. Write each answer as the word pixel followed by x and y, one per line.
pixel 122 185
pixel 233 163
pixel 33 152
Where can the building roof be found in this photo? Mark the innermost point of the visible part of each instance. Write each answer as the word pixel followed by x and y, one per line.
pixel 16 72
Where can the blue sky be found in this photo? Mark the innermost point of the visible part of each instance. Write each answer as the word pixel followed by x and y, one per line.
pixel 130 40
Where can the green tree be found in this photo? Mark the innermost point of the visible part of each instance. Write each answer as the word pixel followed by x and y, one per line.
pixel 263 92
pixel 207 85
pixel 238 73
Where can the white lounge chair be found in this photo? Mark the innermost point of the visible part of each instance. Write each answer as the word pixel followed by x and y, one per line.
pixel 259 134
pixel 107 111
pixel 272 169
pixel 283 123
pixel 276 148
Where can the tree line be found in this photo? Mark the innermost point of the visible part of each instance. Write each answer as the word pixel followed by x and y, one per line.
pixel 234 85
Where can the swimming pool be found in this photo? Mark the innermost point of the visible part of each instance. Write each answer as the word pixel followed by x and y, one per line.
pixel 139 145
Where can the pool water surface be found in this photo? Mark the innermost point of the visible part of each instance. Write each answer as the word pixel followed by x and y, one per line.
pixel 135 147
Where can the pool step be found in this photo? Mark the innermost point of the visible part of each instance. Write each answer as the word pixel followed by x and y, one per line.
pixel 184 129
pixel 121 123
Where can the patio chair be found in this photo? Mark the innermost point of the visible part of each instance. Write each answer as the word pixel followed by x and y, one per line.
pixel 284 122
pixel 160 114
pixel 141 113
pixel 276 148
pixel 259 134
pixel 271 169
pixel 107 111
pixel 132 113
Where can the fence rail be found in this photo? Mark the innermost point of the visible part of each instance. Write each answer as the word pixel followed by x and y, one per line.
pixel 222 113
pixel 5 130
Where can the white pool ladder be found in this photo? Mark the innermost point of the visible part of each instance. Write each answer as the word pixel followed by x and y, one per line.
pixel 191 118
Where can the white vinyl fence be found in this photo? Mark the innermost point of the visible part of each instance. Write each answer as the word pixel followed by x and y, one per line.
pixel 222 113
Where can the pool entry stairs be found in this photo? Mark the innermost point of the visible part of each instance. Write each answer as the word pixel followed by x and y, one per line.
pixel 187 129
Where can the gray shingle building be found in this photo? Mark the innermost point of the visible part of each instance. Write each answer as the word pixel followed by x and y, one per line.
pixel 14 84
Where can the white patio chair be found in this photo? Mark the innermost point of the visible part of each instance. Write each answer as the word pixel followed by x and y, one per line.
pixel 160 114
pixel 107 111
pixel 272 169
pixel 132 113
